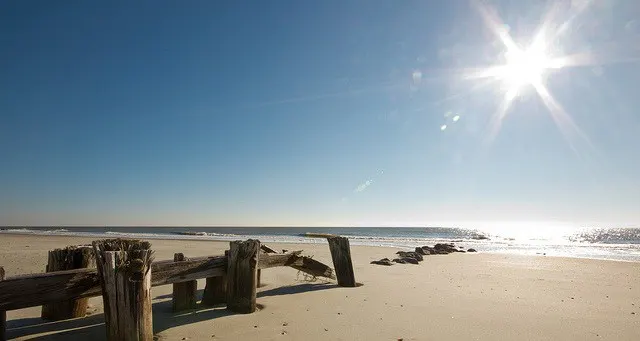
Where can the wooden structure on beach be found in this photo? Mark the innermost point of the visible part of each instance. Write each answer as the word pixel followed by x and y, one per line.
pixel 126 272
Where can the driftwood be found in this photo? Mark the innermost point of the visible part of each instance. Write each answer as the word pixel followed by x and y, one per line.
pixel 37 289
pixel 341 255
pixel 242 276
pixel 124 269
pixel 72 257
pixel 184 293
pixel 267 249
pixel 3 314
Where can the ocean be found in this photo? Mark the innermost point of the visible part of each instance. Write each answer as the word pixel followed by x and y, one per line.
pixel 622 244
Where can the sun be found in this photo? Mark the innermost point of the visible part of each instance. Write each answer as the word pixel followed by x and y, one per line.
pixel 523 68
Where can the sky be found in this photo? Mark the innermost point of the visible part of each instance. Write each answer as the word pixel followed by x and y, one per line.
pixel 317 113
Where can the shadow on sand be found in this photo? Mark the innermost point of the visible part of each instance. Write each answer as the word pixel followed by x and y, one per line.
pixel 92 327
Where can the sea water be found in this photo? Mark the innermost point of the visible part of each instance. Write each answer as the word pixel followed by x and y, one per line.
pixel 599 243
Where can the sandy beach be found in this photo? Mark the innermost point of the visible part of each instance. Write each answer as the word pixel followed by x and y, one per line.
pixel 450 297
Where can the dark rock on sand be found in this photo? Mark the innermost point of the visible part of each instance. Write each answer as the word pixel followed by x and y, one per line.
pixel 472 250
pixel 422 251
pixel 409 260
pixel 413 255
pixel 399 261
pixel 443 249
pixel 383 261
pixel 428 250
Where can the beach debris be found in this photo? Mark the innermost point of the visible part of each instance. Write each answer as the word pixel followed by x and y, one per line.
pixel 383 261
pixel 472 250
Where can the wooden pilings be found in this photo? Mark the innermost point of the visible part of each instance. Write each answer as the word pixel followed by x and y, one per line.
pixel 124 277
pixel 69 258
pixel 3 314
pixel 242 276
pixel 341 256
pixel 124 269
pixel 215 291
pixel 184 293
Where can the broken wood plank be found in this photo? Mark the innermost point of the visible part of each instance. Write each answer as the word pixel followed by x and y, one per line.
pixel 3 314
pixel 242 276
pixel 279 259
pixel 312 267
pixel 341 255
pixel 267 249
pixel 184 293
pixel 124 269
pixel 71 257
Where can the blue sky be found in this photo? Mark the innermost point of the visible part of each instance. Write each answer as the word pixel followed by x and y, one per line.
pixel 310 113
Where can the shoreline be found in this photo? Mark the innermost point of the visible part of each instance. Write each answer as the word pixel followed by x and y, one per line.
pixel 273 239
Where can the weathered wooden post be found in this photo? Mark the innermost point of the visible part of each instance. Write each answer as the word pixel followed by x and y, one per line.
pixel 124 269
pixel 341 255
pixel 242 276
pixel 184 294
pixel 215 292
pixel 69 258
pixel 3 314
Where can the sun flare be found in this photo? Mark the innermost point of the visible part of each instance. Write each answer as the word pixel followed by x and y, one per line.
pixel 523 68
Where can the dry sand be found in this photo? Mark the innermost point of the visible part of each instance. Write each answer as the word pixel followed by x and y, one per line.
pixel 453 297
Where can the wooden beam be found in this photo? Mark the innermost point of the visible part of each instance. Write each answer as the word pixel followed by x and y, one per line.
pixel 242 276
pixel 124 269
pixel 37 289
pixel 3 314
pixel 184 293
pixel 168 272
pixel 69 258
pixel 341 255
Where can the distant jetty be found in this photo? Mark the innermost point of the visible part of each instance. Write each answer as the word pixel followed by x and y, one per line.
pixel 191 233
